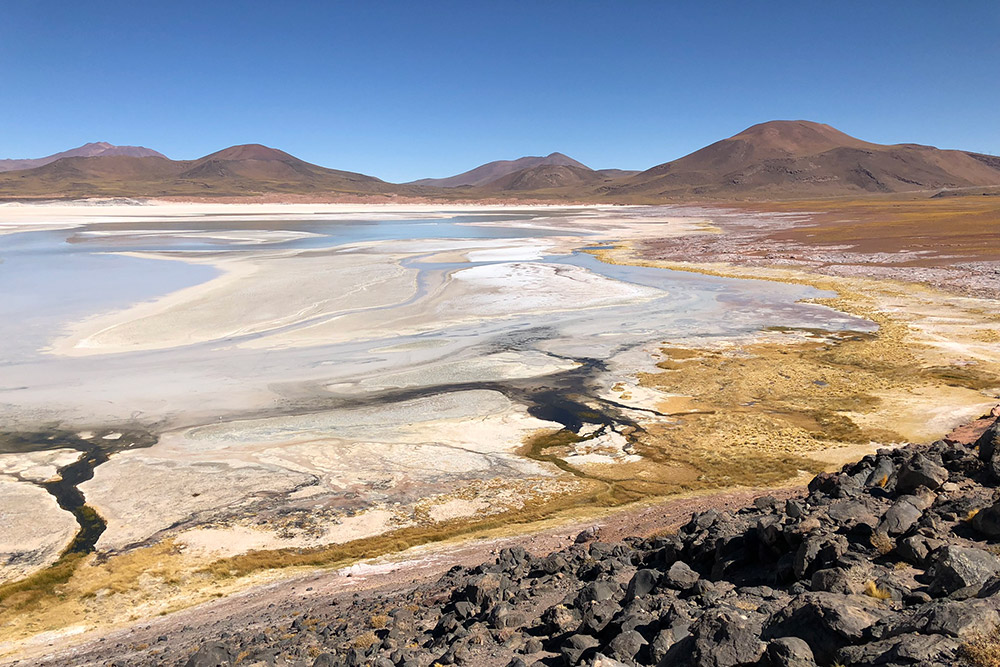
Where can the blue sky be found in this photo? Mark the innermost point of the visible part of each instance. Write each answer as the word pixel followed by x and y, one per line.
pixel 402 90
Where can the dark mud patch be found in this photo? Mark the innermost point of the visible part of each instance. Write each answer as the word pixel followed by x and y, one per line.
pixel 64 486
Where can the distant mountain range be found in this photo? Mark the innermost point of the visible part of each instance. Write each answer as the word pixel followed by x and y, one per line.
pixel 249 169
pixel 87 150
pixel 804 159
pixel 774 160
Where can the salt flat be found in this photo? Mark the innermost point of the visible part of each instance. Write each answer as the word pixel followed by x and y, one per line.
pixel 308 374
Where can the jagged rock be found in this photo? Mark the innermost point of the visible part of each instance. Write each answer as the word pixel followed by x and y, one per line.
pixel 960 619
pixel 680 576
pixel 327 660
pixel 907 650
pixel 720 638
pixel 626 645
pixel 899 518
pixel 825 621
pixel 789 652
pixel 641 584
pixel 213 654
pixel 920 471
pixel 833 580
pixel 987 521
pixel 578 647
pixel 817 552
pixel 954 568
pixel 560 619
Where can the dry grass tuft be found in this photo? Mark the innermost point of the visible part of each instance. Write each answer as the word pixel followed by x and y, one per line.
pixel 872 590
pixel 378 621
pixel 882 543
pixel 982 651
pixel 365 641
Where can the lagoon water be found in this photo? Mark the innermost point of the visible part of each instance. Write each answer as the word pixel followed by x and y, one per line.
pixel 53 279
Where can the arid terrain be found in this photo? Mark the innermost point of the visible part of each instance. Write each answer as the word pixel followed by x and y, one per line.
pixel 245 372
pixel 672 411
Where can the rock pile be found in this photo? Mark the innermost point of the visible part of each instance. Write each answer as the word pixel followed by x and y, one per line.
pixel 891 561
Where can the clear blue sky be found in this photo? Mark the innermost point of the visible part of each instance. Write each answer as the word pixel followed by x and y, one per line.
pixel 402 90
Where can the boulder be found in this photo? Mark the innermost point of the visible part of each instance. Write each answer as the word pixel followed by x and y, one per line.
pixel 899 518
pixel 962 618
pixel 626 645
pixel 680 576
pixel 720 638
pixel 212 654
pixel 578 647
pixel 789 652
pixel 912 649
pixel 642 584
pixel 920 471
pixel 825 621
pixel 817 552
pixel 987 521
pixel 954 568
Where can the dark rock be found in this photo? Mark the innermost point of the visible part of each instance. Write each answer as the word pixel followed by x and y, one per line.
pixel 626 645
pixel 960 619
pixel 899 518
pixel 327 660
pixel 789 652
pixel 588 535
pixel 720 638
pixel 578 647
pixel 212 654
pixel 817 552
pixel 825 621
pixel 920 471
pixel 680 576
pixel 833 580
pixel 954 568
pixel 560 619
pixel 904 650
pixel 987 521
pixel 642 584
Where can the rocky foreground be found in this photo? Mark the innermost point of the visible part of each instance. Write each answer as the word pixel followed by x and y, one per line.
pixel 892 561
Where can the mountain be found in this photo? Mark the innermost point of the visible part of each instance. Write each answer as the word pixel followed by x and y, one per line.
pixel 544 177
pixel 787 159
pixel 491 171
pixel 239 170
pixel 87 150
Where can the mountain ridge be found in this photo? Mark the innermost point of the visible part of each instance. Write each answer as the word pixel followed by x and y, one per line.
pixel 92 149
pixel 491 171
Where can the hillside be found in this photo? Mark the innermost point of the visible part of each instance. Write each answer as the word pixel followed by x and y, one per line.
pixel 491 171
pixel 544 177
pixel 87 150
pixel 239 170
pixel 783 159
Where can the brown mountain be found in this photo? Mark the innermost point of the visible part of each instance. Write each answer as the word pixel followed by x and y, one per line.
pixel 239 170
pixel 93 149
pixel 544 177
pixel 491 171
pixel 784 159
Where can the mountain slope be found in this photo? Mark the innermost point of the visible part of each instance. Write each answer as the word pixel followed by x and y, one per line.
pixel 544 177
pixel 239 170
pixel 491 171
pixel 800 158
pixel 87 150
